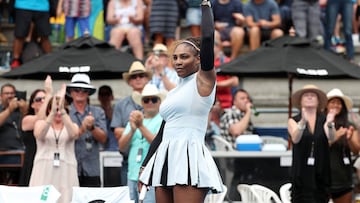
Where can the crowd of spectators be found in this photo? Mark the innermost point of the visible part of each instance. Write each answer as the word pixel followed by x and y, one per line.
pixel 111 127
pixel 138 24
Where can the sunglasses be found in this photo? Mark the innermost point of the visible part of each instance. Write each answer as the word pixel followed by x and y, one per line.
pixel 141 75
pixel 80 89
pixel 154 100
pixel 39 99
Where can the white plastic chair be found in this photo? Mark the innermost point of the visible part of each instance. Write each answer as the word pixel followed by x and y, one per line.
pixel 216 197
pixel 264 194
pixel 222 144
pixel 106 194
pixel 247 195
pixel 285 193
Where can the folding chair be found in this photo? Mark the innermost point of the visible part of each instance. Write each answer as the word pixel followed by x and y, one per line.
pixel 264 194
pixel 285 193
pixel 216 197
pixel 247 195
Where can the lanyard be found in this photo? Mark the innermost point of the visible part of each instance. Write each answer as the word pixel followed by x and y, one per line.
pixel 57 137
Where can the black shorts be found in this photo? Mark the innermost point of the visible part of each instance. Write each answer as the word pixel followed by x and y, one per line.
pixel 225 34
pixel 266 34
pixel 23 19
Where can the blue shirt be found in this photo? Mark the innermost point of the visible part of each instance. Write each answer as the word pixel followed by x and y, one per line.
pixel 111 143
pixel 170 74
pixel 264 10
pixel 121 113
pixel 88 160
pixel 224 12
pixel 139 142
pixel 33 5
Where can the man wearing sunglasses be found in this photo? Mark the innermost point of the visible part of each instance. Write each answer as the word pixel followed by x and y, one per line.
pixel 139 133
pixel 92 123
pixel 137 78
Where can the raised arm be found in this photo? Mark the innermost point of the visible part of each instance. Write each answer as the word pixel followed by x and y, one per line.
pixel 207 76
pixel 71 127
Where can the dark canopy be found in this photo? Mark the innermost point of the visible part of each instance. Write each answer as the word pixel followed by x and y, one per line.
pixel 86 54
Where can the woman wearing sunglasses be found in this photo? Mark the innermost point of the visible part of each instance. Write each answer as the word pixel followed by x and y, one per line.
pixel 181 168
pixel 36 111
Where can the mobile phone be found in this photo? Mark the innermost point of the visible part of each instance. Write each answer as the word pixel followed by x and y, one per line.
pixel 21 95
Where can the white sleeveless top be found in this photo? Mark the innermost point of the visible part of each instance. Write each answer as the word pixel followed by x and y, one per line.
pixel 125 12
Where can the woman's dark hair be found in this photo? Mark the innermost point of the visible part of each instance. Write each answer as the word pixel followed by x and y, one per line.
pixel 31 110
pixel 341 119
pixel 49 105
pixel 194 43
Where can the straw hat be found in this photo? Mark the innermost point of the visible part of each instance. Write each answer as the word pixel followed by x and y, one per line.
pixel 337 93
pixel 160 49
pixel 149 90
pixel 81 80
pixel 136 68
pixel 296 97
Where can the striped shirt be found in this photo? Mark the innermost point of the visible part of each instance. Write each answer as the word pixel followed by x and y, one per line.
pixel 77 8
pixel 232 115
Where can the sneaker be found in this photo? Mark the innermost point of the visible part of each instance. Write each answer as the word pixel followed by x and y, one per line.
pixel 15 63
pixel 339 49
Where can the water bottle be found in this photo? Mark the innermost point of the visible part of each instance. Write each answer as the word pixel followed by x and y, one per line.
pixel 254 111
pixel 5 62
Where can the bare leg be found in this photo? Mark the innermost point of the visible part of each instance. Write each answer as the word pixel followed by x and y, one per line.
pixel 164 195
pixel 18 47
pixel 158 38
pixel 276 33
pixel 117 37
pixel 188 194
pixel 237 35
pixel 45 44
pixel 134 39
pixel 346 198
pixel 254 38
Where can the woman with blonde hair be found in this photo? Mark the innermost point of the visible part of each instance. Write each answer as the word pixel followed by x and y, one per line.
pixel 310 132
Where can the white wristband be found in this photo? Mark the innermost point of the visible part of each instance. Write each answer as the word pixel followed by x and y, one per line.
pixel 301 127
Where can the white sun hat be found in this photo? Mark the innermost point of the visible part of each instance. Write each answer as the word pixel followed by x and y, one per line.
pixel 149 90
pixel 81 80
pixel 337 93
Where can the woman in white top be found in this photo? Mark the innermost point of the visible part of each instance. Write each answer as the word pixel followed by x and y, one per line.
pixel 126 18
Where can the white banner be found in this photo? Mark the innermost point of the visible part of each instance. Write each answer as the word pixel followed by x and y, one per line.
pixel 36 194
